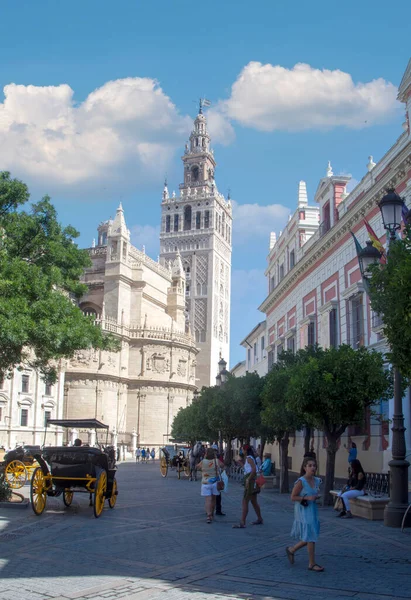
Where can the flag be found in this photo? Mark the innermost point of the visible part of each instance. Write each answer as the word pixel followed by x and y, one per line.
pixel 375 241
pixel 357 244
pixel 205 102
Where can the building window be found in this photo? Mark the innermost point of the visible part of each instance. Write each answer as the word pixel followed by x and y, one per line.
pixel 1 414
pixel 168 223
pixel 356 328
pixel 311 333
pixel 47 416
pixel 249 357
pixel 262 345
pixel 195 172
pixel 198 220
pixel 187 218
pixel 48 391
pixel 332 321
pixel 292 259
pixel 187 290
pixel 175 222
pixel 272 283
pixel 291 344
pixel 216 221
pixel 25 380
pixel 207 219
pixel 280 348
pixel 270 359
pixel 281 271
pixel 24 417
pixel 201 336
pixel 255 352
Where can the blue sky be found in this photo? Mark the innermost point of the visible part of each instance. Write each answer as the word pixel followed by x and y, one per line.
pixel 67 131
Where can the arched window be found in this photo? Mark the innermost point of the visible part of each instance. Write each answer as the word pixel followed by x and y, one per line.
pixel 168 223
pixel 195 172
pixel 207 219
pixel 187 218
pixel 198 220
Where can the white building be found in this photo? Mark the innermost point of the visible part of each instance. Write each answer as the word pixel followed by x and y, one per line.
pixel 138 390
pixel 198 224
pixel 255 345
pixel 26 401
pixel 315 290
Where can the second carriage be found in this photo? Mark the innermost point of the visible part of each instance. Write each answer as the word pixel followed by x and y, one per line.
pixel 175 457
pixel 19 465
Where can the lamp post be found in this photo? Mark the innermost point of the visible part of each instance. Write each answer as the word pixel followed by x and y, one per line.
pixel 220 380
pixel 391 210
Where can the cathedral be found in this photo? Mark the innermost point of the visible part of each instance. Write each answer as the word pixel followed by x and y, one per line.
pixel 172 316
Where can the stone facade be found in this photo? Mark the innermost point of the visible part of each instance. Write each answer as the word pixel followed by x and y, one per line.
pixel 138 390
pixel 198 224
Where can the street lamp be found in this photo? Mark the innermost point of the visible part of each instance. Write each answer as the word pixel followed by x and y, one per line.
pixel 220 380
pixel 391 207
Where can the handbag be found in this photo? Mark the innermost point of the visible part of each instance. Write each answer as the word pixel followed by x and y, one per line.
pixel 338 504
pixel 260 480
pixel 220 482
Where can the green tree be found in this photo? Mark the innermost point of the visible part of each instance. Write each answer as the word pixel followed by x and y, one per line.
pixel 334 389
pixel 191 423
pixel 277 418
pixel 390 295
pixel 40 269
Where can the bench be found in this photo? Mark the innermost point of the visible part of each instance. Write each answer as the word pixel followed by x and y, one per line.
pixel 372 505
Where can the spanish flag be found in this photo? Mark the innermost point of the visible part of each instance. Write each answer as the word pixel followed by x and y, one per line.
pixel 376 242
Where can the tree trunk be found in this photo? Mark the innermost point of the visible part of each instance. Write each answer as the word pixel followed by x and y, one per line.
pixel 307 437
pixel 284 485
pixel 330 468
pixel 228 458
pixel 262 448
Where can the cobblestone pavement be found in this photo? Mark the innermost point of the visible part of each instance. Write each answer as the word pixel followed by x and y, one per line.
pixel 156 545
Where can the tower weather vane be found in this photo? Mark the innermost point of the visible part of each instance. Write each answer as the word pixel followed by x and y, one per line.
pixel 203 102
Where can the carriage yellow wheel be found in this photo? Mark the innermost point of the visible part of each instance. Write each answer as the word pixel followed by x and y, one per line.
pixel 38 491
pixel 67 497
pixel 163 466
pixel 113 498
pixel 100 493
pixel 16 474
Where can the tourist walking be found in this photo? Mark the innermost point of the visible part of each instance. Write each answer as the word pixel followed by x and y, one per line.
pixel 209 467
pixel 251 489
pixel 138 454
pixel 218 507
pixel 306 525
pixel 354 488
pixel 153 453
pixel 143 455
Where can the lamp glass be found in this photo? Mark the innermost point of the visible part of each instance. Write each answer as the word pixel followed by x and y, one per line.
pixel 367 257
pixel 391 211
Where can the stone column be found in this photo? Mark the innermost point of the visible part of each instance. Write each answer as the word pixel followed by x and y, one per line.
pixel 73 435
pixel 114 438
pixel 134 442
pixel 92 437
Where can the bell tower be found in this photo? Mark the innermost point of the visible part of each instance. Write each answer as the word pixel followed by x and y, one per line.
pixel 197 224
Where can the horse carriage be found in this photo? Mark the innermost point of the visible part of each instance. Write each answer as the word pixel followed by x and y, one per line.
pixel 65 470
pixel 19 465
pixel 182 458
pixel 174 457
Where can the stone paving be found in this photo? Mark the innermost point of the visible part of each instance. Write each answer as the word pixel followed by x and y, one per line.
pixel 156 545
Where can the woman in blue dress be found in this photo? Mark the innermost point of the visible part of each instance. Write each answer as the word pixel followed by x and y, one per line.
pixel 306 527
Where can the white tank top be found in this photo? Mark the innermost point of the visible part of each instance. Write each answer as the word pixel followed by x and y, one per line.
pixel 247 466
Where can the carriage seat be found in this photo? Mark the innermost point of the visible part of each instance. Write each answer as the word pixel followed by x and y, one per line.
pixel 72 455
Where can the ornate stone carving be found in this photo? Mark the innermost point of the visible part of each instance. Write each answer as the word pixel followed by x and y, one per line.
pixel 182 368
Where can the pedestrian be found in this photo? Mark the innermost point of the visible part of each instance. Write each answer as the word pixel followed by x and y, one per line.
pixel 267 465
pixel 138 454
pixel 153 453
pixel 354 488
pixel 306 525
pixel 251 489
pixel 209 467
pixel 352 452
pixel 143 455
pixel 147 454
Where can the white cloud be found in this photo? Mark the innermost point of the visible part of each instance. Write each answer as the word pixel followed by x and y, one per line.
pixel 147 236
pixel 255 220
pixel 128 126
pixel 220 129
pixel 269 98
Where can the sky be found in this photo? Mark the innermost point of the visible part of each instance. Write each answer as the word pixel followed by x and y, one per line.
pixel 98 100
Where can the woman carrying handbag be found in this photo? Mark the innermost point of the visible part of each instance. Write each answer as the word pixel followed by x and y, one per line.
pixel 210 484
pixel 251 490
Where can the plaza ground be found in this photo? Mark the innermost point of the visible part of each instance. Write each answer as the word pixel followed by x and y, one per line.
pixel 156 545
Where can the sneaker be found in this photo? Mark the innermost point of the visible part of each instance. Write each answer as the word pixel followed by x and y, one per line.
pixel 342 514
pixel 347 515
pixel 220 514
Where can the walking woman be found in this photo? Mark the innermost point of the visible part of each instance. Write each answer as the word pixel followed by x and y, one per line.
pixel 251 490
pixel 355 488
pixel 306 525
pixel 209 467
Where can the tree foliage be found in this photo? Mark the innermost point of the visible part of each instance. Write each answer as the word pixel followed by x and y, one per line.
pixel 333 389
pixel 40 269
pixel 390 295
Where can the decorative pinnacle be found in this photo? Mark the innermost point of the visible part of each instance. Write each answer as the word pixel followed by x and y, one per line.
pixel 329 170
